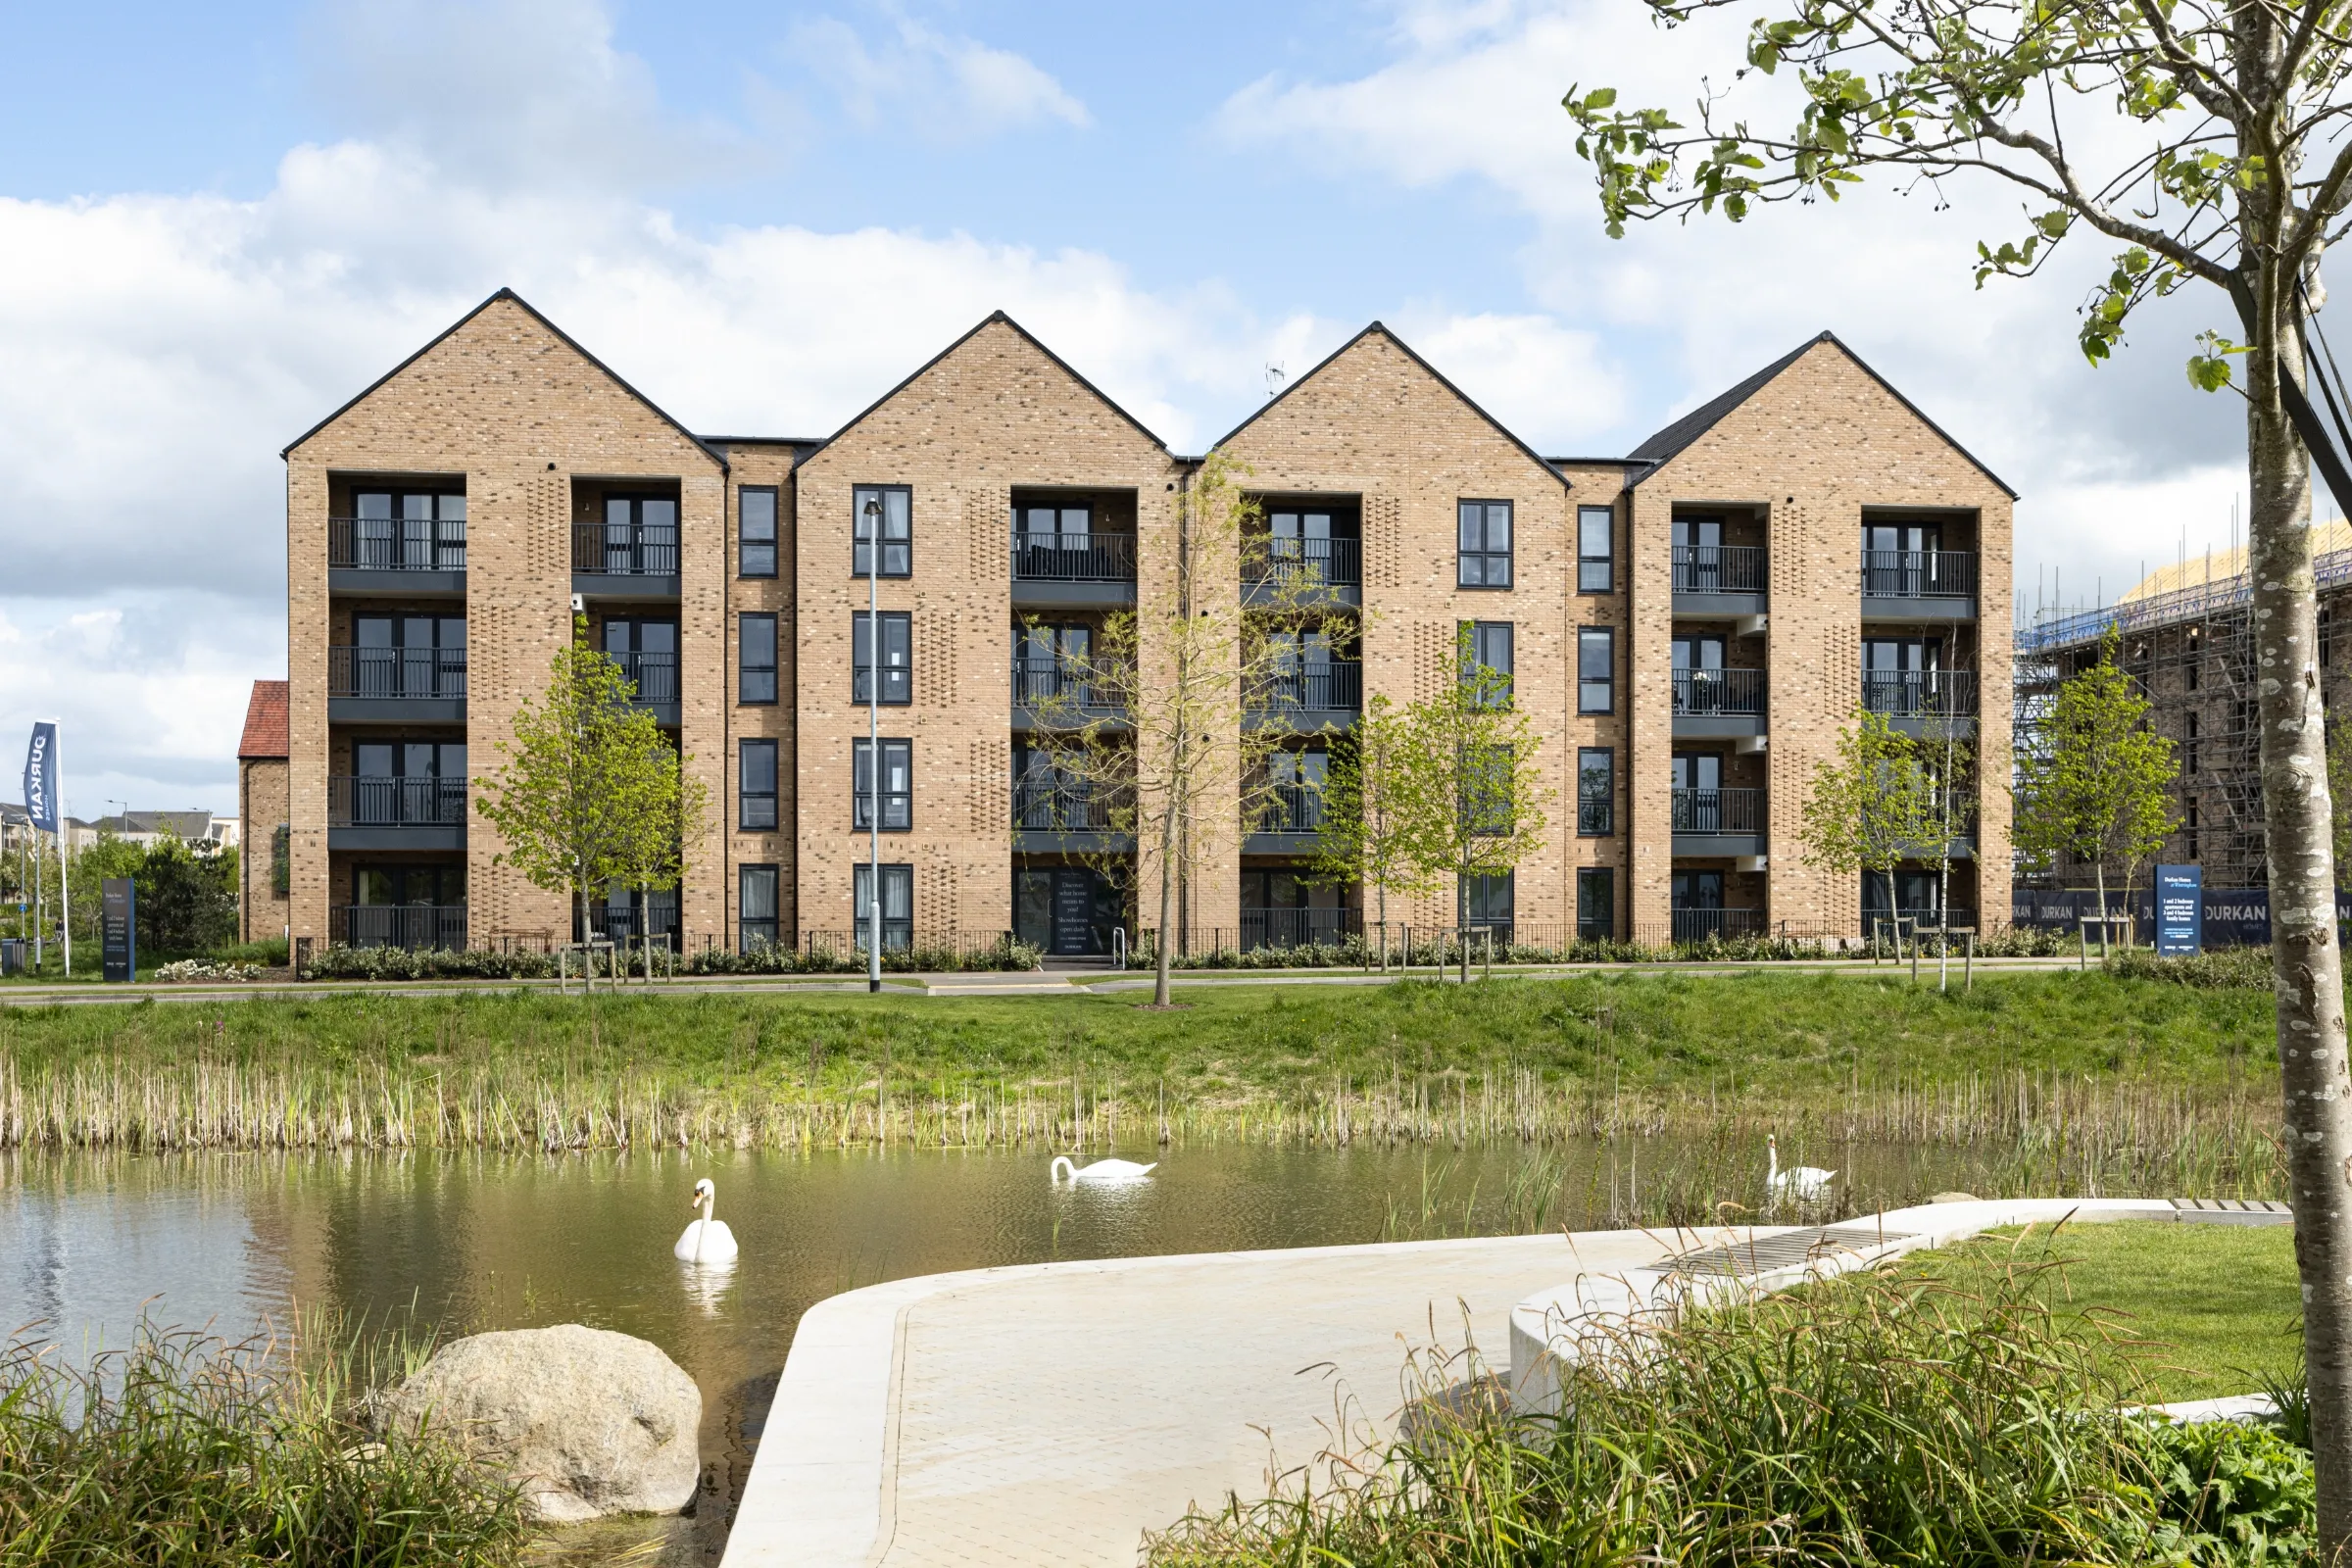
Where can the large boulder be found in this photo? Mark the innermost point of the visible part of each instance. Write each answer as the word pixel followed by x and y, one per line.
pixel 589 1422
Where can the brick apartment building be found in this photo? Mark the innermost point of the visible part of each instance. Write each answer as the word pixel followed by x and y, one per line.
pixel 1687 625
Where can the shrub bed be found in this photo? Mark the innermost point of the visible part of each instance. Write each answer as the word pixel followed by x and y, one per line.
pixel 415 963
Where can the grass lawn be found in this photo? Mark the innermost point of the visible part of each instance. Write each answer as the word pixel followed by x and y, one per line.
pixel 2200 1310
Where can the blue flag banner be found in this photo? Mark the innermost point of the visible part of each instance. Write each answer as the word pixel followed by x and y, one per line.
pixel 40 778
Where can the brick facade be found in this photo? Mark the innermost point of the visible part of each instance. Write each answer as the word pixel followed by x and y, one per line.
pixel 541 439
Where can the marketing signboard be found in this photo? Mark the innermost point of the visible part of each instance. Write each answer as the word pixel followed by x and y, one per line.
pixel 118 927
pixel 2180 909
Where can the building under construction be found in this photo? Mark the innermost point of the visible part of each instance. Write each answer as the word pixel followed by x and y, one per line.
pixel 2187 639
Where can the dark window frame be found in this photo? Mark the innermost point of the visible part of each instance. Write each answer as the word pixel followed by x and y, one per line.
pixel 898 678
pixel 745 542
pixel 1486 555
pixel 1603 927
pixel 898 933
pixel 1607 636
pixel 748 926
pixel 746 821
pixel 1607 815
pixel 1607 560
pixel 859 545
pixel 745 669
pixel 861 793
pixel 1510 889
pixel 1480 635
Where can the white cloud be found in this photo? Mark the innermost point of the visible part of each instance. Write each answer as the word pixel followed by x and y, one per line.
pixel 942 88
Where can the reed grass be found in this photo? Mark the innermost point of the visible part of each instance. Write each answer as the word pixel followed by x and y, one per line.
pixel 188 1452
pixel 1880 1420
pixel 2088 1083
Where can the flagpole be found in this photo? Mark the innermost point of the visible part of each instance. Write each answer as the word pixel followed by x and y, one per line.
pixel 65 887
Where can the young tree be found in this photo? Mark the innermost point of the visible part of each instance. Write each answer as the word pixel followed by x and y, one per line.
pixel 1376 823
pixel 1868 810
pixel 1947 760
pixel 1164 734
pixel 1480 796
pixel 2102 787
pixel 2202 139
pixel 590 792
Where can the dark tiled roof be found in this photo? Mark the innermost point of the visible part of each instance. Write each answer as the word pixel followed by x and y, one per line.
pixel 267 728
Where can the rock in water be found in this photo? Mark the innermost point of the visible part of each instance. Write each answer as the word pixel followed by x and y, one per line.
pixel 589 1422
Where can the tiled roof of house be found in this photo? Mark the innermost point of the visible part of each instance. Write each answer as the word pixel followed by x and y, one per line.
pixel 267 730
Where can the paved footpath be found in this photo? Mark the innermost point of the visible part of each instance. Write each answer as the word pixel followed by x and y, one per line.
pixel 1051 1414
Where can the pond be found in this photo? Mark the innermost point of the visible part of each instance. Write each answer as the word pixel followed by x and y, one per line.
pixel 466 1244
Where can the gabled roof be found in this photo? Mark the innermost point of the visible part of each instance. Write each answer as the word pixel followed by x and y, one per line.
pixel 1027 336
pixel 1663 447
pixel 1434 374
pixel 268 733
pixel 562 336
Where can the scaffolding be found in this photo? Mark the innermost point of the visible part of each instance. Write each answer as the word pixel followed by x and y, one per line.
pixel 2190 651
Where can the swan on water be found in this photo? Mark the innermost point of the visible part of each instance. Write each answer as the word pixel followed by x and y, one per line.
pixel 1102 1170
pixel 1802 1182
pixel 705 1239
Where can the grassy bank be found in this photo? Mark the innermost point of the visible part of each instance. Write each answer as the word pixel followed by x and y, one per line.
pixel 2087 1077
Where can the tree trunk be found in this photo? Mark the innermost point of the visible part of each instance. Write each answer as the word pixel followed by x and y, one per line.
pixel 2099 868
pixel 2307 969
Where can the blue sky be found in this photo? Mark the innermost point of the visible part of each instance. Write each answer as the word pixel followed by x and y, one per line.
pixel 218 222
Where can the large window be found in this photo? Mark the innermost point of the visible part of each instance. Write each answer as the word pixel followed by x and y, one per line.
pixel 1595 791
pixel 755 787
pixel 898 667
pixel 1484 558
pixel 756 653
pixel 1595 904
pixel 897 906
pixel 1487 902
pixel 1596 558
pixel 404 529
pixel 1596 671
pixel 756 525
pixel 640 538
pixel 1486 804
pixel 1489 648
pixel 406 656
pixel 883 512
pixel 756 924
pixel 898 785
pixel 647 651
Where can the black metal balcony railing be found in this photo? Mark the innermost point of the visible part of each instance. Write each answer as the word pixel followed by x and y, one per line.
pixel 1704 926
pixel 1337 685
pixel 1057 681
pixel 625 551
pixel 400 925
pixel 1919 574
pixel 1058 805
pixel 1714 693
pixel 1920 693
pixel 396 544
pixel 1289 809
pixel 1299 928
pixel 396 672
pixel 1338 563
pixel 1719 810
pixel 1074 558
pixel 654 674
pixel 394 802
pixel 1718 568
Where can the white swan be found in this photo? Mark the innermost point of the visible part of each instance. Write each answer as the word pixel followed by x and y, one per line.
pixel 705 1239
pixel 1803 1182
pixel 1102 1170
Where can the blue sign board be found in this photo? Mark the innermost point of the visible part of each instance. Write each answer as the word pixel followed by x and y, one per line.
pixel 2180 911
pixel 119 928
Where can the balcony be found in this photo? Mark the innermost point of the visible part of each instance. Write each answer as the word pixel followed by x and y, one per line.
pixel 1067 686
pixel 1716 703
pixel 1719 580
pixel 1299 928
pixel 1718 822
pixel 395 814
pixel 399 926
pixel 1917 700
pixel 1294 570
pixel 413 556
pixel 395 685
pixel 1085 569
pixel 654 674
pixel 1053 815
pixel 1311 696
pixel 1287 818
pixel 1919 585
pixel 616 560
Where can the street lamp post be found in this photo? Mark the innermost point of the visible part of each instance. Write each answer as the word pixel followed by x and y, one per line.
pixel 873 739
